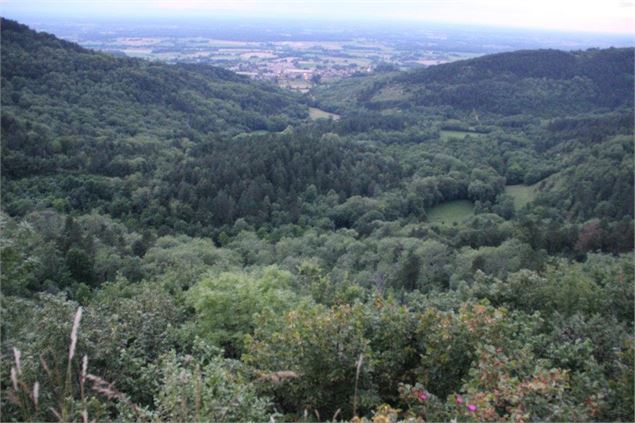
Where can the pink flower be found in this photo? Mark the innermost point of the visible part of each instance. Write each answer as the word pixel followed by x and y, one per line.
pixel 472 407
pixel 423 396
pixel 459 399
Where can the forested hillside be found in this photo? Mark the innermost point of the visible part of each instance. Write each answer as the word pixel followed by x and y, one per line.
pixel 103 115
pixel 180 243
pixel 545 83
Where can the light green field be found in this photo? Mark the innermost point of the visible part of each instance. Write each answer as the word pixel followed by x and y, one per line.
pixel 447 134
pixel 391 93
pixel 522 194
pixel 451 212
pixel 252 133
pixel 296 84
pixel 315 113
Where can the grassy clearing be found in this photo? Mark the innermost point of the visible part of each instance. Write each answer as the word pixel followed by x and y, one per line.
pixel 451 212
pixel 259 132
pixel 296 84
pixel 315 113
pixel 522 194
pixel 391 93
pixel 447 134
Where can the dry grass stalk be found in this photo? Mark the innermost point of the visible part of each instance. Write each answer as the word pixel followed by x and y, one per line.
pixel 36 393
pixel 78 318
pixel 280 376
pixel 56 414
pixel 101 386
pixel 82 380
pixel 14 379
pixel 45 366
pixel 357 372
pixel 13 399
pixel 84 366
pixel 108 390
pixel 71 353
pixel 197 393
pixel 23 396
pixel 17 354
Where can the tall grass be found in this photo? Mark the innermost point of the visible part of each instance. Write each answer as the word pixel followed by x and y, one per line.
pixel 67 397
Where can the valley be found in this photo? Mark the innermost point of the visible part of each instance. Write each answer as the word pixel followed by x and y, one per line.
pixel 184 239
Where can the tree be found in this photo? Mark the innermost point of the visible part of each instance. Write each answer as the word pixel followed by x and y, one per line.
pixel 80 265
pixel 241 296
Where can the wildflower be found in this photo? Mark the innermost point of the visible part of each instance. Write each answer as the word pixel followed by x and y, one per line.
pixel 472 407
pixel 423 396
pixel 459 399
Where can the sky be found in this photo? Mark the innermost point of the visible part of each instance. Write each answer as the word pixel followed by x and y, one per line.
pixel 601 16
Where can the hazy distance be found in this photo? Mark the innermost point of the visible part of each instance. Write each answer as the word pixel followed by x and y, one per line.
pixel 614 16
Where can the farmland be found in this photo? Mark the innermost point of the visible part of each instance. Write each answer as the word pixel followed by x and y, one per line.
pixel 296 65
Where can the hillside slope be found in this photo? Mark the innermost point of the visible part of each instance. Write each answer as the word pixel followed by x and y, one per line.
pixel 176 146
pixel 58 97
pixel 539 82
pixel 165 145
pixel 458 266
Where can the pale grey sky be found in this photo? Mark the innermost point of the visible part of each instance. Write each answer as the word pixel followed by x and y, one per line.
pixel 614 16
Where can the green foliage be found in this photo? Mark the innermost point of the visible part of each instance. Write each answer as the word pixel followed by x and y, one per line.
pixel 521 194
pixel 322 347
pixel 538 81
pixel 228 305
pixel 207 387
pixel 194 213
pixel 597 286
pixel 506 388
pixel 179 261
pixel 124 328
pixel 451 212
pixel 51 381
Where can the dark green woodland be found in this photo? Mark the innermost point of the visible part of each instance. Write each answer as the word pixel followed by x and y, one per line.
pixel 457 244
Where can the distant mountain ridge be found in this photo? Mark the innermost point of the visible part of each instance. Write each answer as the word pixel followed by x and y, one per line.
pixel 529 81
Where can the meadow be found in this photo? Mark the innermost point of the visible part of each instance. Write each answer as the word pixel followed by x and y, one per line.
pixel 522 194
pixel 451 212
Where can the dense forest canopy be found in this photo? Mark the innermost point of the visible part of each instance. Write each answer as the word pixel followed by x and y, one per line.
pixel 545 83
pixel 458 244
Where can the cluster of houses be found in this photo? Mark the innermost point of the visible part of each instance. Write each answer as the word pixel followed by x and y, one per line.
pixel 286 70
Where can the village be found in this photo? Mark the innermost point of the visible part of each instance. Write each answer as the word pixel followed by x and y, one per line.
pixel 296 65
